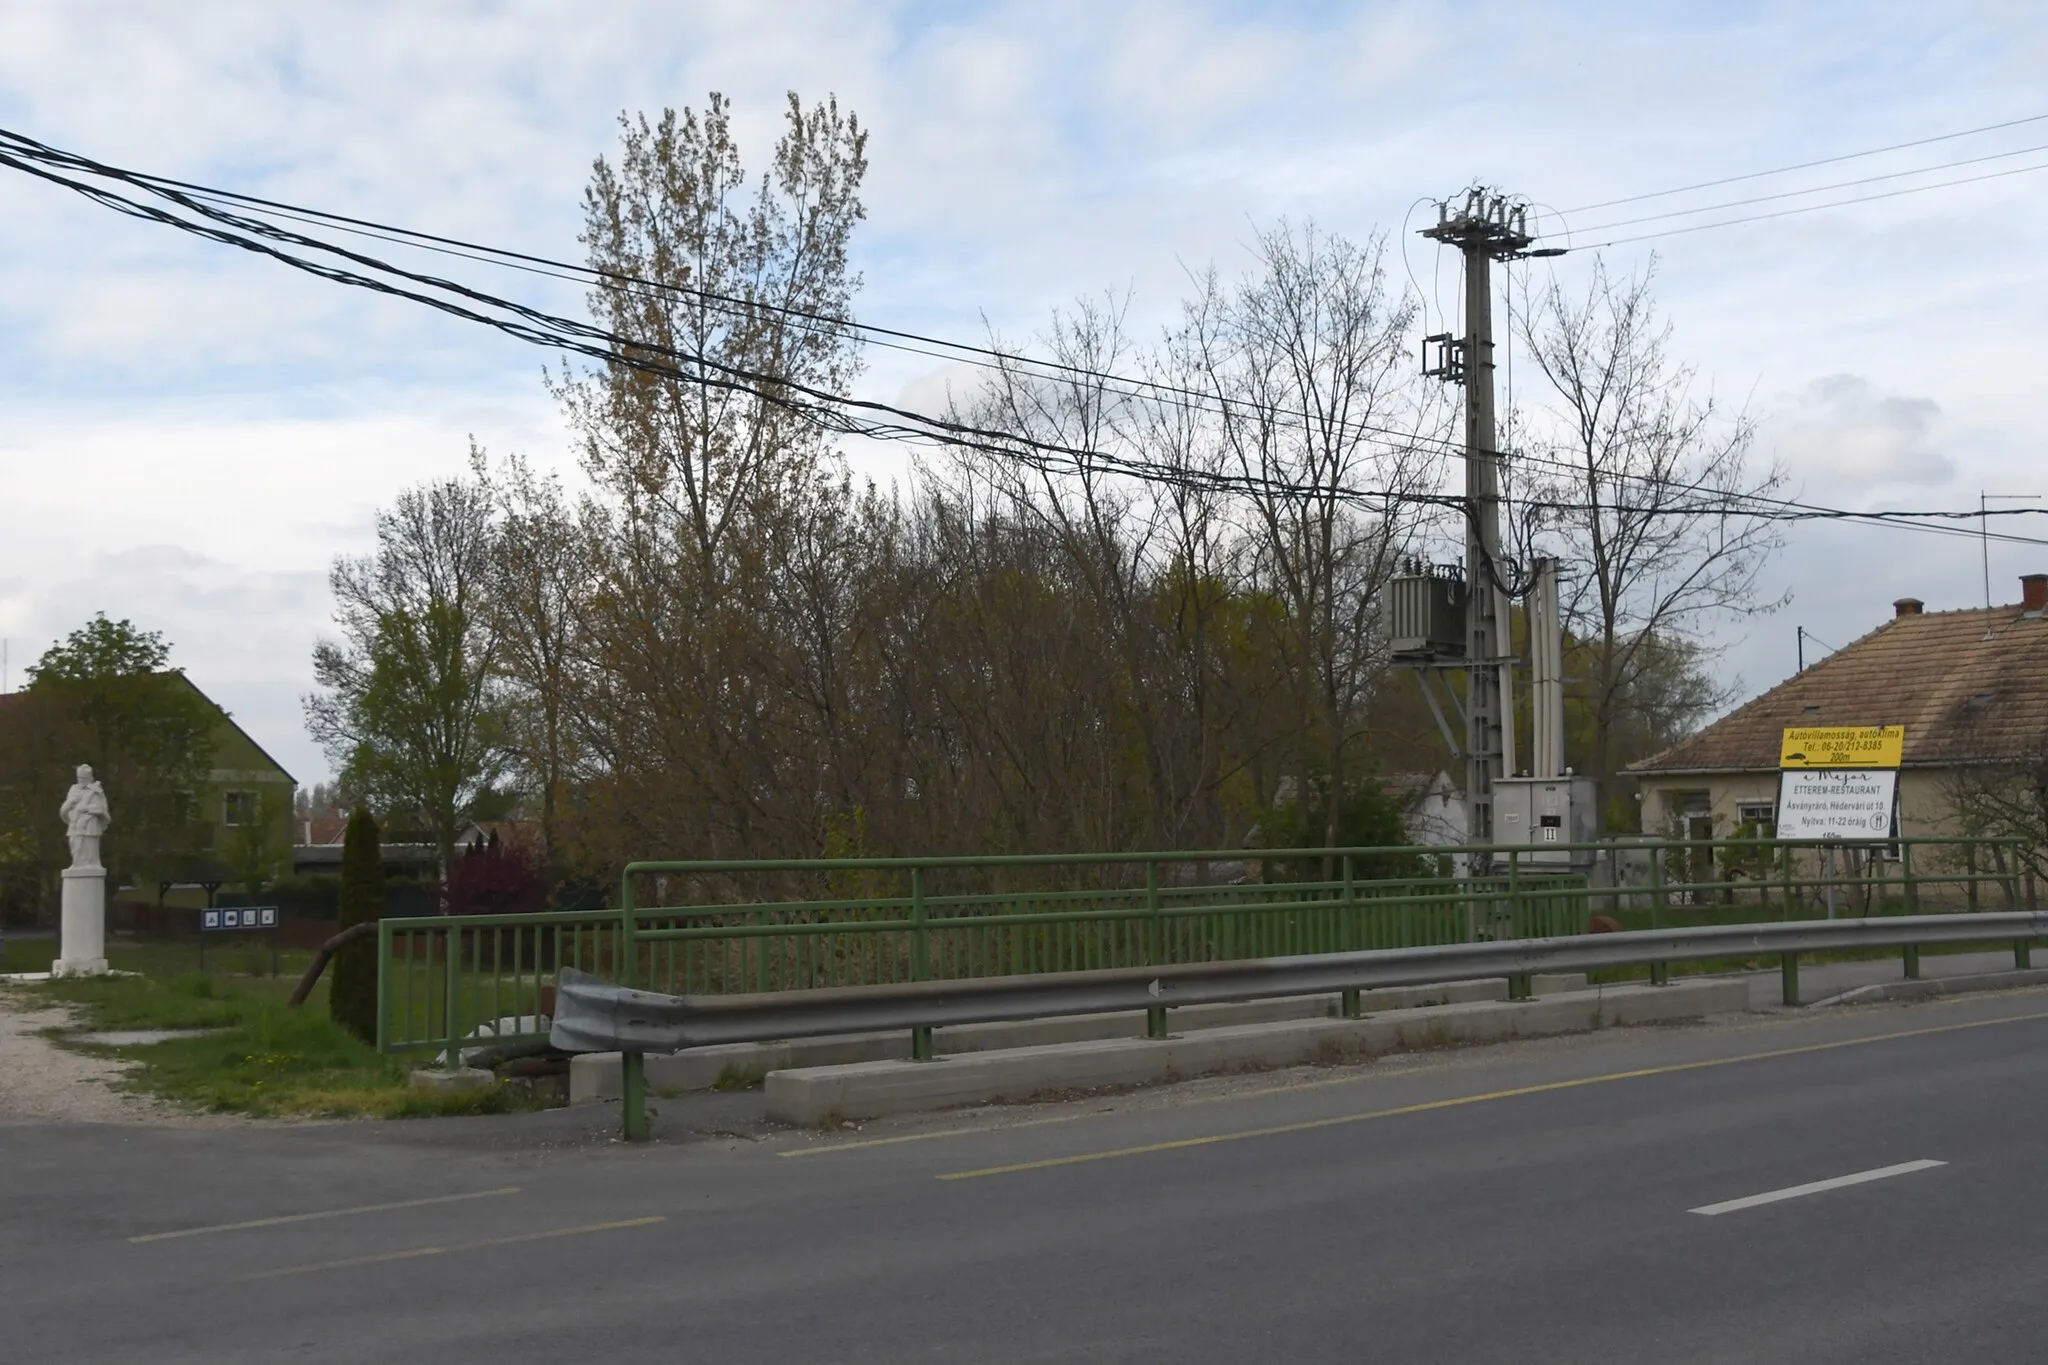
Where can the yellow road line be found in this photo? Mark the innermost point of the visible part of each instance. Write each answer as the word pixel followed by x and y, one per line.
pixel 1358 1077
pixel 865 1143
pixel 481 1243
pixel 325 1213
pixel 1428 1106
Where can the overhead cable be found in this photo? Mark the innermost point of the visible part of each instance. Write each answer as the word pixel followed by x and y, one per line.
pixel 829 411
pixel 1816 189
pixel 1809 165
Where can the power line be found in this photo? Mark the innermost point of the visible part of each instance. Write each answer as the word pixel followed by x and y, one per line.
pixel 967 353
pixel 531 263
pixel 1816 189
pixel 1765 507
pixel 825 410
pixel 1808 165
pixel 1134 388
pixel 832 412
pixel 1811 208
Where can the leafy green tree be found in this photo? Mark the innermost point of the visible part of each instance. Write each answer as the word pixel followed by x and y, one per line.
pixel 411 707
pixel 107 695
pixel 1367 816
pixel 352 995
pixel 254 850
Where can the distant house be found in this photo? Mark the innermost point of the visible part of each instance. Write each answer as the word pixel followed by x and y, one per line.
pixel 1969 687
pixel 1433 810
pixel 1433 807
pixel 317 842
pixel 524 835
pixel 244 788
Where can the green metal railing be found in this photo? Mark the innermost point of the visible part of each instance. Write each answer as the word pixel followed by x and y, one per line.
pixel 725 927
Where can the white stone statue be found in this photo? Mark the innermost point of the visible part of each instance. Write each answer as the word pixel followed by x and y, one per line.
pixel 85 818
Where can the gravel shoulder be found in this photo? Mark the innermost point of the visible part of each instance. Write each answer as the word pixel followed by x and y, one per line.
pixel 41 1082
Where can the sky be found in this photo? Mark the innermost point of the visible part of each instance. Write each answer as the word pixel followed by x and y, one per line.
pixel 189 436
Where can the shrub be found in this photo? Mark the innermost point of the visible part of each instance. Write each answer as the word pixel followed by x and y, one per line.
pixel 352 997
pixel 499 879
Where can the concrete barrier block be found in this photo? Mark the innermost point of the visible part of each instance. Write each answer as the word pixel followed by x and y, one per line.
pixel 1557 983
pixel 462 1078
pixel 811 1096
pixel 1680 1000
pixel 595 1077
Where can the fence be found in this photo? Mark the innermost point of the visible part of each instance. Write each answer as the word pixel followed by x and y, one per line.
pixel 750 927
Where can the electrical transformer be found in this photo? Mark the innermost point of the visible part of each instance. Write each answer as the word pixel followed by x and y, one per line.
pixel 1426 613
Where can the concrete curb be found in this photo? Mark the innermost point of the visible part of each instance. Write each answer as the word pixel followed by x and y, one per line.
pixel 595 1076
pixel 859 1090
pixel 1928 988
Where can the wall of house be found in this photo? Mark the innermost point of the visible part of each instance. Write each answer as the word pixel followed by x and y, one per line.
pixel 1926 809
pixel 239 765
pixel 1667 800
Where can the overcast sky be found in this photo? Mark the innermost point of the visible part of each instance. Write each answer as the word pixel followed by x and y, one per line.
pixel 188 436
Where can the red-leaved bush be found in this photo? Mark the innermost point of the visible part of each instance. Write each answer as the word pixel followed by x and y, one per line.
pixel 502 879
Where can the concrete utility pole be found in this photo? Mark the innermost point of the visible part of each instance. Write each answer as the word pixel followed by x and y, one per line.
pixel 1485 227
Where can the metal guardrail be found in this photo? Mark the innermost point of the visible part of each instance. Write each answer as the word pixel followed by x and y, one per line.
pixel 759 926
pixel 597 1015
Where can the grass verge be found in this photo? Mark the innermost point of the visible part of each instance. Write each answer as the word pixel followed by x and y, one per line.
pixel 268 1061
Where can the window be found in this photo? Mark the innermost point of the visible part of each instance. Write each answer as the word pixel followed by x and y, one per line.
pixel 1693 814
pixel 239 808
pixel 1761 816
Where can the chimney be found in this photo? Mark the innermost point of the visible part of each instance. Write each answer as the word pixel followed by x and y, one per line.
pixel 2034 591
pixel 1907 606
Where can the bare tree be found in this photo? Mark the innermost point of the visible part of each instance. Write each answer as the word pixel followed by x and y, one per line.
pixel 1995 780
pixel 542 573
pixel 1307 357
pixel 1648 494
pixel 1102 526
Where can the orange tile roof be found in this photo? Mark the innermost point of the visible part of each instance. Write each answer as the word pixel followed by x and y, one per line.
pixel 321 829
pixel 1968 686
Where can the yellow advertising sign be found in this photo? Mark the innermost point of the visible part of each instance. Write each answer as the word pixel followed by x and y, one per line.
pixel 1843 746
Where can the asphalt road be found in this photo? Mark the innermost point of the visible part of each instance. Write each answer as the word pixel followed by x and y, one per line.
pixel 1531 1202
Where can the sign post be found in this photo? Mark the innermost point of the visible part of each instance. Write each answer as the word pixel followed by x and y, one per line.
pixel 1839 782
pixel 239 919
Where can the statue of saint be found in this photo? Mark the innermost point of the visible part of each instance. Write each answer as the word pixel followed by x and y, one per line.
pixel 85 818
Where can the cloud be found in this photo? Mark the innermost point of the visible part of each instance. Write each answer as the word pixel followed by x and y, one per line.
pixel 160 396
pixel 217 529
pixel 1841 433
pixel 242 633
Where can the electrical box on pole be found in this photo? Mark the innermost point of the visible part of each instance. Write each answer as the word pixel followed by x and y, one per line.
pixel 1540 814
pixel 1426 614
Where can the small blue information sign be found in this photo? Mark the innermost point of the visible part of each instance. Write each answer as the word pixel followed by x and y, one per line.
pixel 241 918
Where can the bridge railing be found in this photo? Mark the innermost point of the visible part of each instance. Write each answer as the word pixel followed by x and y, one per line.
pixel 722 927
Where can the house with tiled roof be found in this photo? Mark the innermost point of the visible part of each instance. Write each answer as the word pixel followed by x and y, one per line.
pixel 1970 689
pixel 240 807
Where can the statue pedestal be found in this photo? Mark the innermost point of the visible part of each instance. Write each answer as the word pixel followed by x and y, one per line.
pixel 82 943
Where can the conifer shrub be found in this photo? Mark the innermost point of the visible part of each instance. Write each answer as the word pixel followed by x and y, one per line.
pixel 352 993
